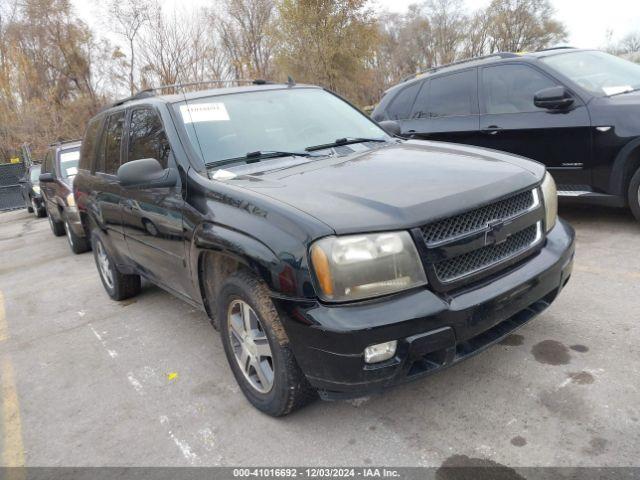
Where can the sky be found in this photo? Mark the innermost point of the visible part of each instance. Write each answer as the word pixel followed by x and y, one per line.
pixel 587 21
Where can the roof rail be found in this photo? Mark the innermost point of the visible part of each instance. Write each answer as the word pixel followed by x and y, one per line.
pixel 561 47
pixel 151 92
pixel 62 141
pixel 462 62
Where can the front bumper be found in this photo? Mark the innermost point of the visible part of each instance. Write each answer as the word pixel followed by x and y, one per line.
pixel 433 330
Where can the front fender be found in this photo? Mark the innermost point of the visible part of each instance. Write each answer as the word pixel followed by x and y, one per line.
pixel 281 273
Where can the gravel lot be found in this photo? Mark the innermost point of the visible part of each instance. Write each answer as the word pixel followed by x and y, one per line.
pixel 90 382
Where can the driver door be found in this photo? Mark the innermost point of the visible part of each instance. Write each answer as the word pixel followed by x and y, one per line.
pixel 561 139
pixel 152 217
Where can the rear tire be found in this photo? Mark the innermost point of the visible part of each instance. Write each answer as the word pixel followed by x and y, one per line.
pixel 634 195
pixel 78 244
pixel 57 227
pixel 117 285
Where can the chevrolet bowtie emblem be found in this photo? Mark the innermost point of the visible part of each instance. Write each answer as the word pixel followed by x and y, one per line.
pixel 495 233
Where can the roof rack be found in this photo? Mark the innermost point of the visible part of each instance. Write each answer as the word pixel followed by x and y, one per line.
pixel 151 92
pixel 562 47
pixel 462 62
pixel 62 141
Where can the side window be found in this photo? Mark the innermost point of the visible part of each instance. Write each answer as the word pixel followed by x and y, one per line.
pixel 510 88
pixel 109 154
pixel 88 148
pixel 420 107
pixel 46 164
pixel 453 94
pixel 400 106
pixel 147 138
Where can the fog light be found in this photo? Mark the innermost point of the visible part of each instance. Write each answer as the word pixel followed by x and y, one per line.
pixel 380 352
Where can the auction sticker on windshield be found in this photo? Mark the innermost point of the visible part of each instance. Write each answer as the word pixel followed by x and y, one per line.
pixel 204 112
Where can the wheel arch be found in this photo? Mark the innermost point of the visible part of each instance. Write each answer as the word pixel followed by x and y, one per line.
pixel 220 252
pixel 627 162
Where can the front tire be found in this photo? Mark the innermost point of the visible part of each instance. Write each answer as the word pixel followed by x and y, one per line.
pixel 117 285
pixel 78 244
pixel 57 227
pixel 257 347
pixel 634 195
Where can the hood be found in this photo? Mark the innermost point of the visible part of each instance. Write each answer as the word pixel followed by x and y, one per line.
pixel 396 186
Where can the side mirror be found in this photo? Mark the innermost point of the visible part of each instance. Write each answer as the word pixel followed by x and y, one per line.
pixel 391 127
pixel 147 173
pixel 46 177
pixel 553 98
pixel 22 180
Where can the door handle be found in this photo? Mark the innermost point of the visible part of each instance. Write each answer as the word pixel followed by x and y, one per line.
pixel 492 130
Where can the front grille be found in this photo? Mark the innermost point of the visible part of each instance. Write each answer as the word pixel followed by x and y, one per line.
pixel 477 219
pixel 469 263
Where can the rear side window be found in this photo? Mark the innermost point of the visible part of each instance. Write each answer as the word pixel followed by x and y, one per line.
pixel 46 162
pixel 452 94
pixel 511 88
pixel 147 138
pixel 109 155
pixel 89 144
pixel 400 106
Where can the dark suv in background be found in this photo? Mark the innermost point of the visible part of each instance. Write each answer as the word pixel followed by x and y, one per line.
pixel 30 190
pixel 56 184
pixel 576 111
pixel 333 258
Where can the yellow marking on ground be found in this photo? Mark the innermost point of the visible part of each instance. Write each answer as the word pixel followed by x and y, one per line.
pixel 4 333
pixel 606 272
pixel 13 449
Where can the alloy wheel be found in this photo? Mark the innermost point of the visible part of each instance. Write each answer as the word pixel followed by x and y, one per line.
pixel 250 346
pixel 67 229
pixel 104 265
pixel 34 207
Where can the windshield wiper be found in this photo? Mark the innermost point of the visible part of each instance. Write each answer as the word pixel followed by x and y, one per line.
pixel 345 141
pixel 625 91
pixel 258 155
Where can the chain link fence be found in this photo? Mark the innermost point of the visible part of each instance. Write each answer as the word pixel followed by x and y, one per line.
pixel 10 196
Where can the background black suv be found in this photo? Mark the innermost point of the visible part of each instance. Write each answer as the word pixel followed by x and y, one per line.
pixel 576 111
pixel 58 172
pixel 332 257
pixel 30 190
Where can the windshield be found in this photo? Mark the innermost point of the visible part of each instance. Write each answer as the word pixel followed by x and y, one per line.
pixel 69 162
pixel 597 72
pixel 230 126
pixel 34 174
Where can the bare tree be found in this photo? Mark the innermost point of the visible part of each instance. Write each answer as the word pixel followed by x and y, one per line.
pixel 245 30
pixel 128 17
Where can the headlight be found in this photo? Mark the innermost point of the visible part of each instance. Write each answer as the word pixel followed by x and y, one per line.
pixel 363 266
pixel 36 188
pixel 550 198
pixel 71 202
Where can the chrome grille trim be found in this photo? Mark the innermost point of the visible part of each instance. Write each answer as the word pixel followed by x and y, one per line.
pixel 474 221
pixel 474 262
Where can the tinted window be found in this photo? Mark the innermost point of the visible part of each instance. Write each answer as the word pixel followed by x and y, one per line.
pixel 147 138
pixel 109 155
pixel 452 94
pixel 89 144
pixel 420 108
pixel 510 88
pixel 46 165
pixel 400 106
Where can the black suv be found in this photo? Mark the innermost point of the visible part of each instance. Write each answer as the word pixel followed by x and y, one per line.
pixel 333 258
pixel 576 111
pixel 30 190
pixel 56 183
